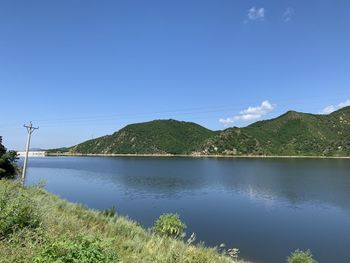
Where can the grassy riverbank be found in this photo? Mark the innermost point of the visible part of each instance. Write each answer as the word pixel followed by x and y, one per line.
pixel 36 226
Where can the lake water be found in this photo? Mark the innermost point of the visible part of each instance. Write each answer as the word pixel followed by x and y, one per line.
pixel 265 207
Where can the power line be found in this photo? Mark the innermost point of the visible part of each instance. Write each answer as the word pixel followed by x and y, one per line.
pixel 194 112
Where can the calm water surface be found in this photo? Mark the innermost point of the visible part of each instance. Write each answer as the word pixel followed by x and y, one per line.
pixel 264 207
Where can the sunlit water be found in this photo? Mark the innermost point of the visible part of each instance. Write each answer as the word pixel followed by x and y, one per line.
pixel 265 207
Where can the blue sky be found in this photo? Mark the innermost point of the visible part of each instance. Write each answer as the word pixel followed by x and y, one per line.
pixel 82 69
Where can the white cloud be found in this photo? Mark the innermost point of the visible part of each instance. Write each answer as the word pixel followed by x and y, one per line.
pixel 288 14
pixel 329 109
pixel 255 13
pixel 251 113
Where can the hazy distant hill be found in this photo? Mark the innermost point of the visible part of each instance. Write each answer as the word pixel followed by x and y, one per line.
pixel 293 133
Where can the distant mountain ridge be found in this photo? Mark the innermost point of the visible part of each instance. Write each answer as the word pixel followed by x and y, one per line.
pixel 291 134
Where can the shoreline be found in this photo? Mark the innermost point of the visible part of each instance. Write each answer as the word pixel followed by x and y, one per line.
pixel 200 156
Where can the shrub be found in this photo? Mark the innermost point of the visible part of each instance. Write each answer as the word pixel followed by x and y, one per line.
pixel 8 167
pixel 169 225
pixel 81 249
pixel 299 256
pixel 17 210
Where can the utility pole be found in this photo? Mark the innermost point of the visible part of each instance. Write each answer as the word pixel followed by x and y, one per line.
pixel 30 130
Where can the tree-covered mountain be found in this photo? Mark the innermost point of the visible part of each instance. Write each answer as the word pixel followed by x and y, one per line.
pixel 154 137
pixel 292 133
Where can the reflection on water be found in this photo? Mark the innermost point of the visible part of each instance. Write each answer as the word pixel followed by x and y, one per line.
pixel 265 207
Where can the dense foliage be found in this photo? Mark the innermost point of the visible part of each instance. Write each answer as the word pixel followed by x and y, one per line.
pixel 291 134
pixel 8 159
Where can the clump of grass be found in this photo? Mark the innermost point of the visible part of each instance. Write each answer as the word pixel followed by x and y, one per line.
pixel 17 210
pixel 169 225
pixel 80 249
pixel 109 212
pixel 299 256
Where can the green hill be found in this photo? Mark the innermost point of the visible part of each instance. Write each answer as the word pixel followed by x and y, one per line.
pixel 292 133
pixel 154 137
